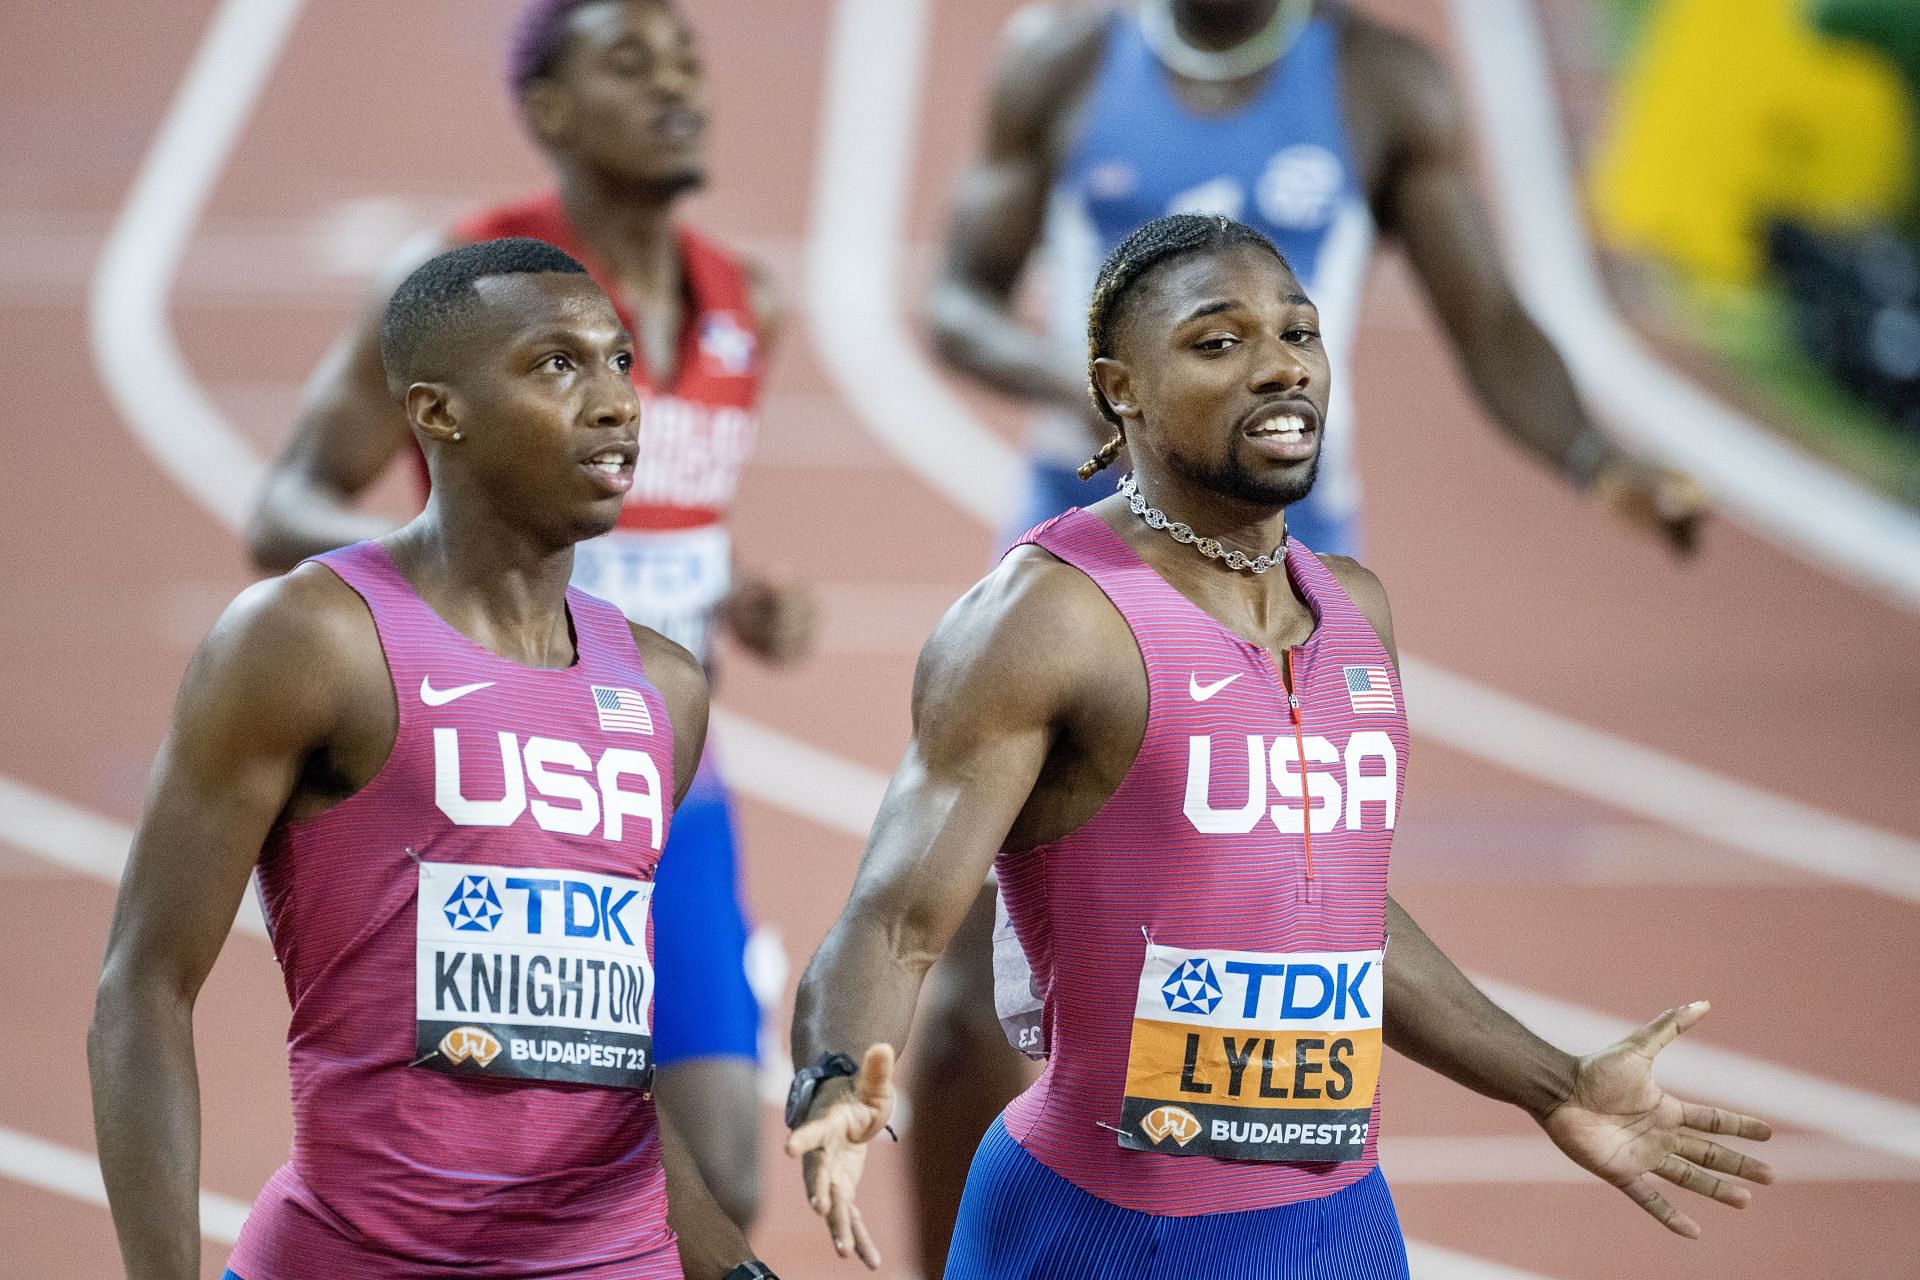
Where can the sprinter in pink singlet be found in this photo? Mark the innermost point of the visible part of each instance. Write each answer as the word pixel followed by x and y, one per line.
pixel 1180 738
pixel 614 94
pixel 454 775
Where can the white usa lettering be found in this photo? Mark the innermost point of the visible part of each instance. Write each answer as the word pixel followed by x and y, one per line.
pixel 1314 796
pixel 590 794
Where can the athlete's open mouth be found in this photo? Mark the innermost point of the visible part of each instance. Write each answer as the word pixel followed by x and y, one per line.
pixel 1284 419
pixel 612 461
pixel 679 124
pixel 1287 429
pixel 612 466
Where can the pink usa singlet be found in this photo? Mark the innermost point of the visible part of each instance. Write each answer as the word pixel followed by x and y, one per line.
pixel 466 944
pixel 1209 945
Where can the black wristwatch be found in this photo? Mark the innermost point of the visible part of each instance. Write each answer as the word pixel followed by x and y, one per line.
pixel 806 1083
pixel 751 1271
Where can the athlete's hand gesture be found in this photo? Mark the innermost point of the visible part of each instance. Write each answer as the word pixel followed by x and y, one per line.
pixel 1656 499
pixel 1621 1125
pixel 774 619
pixel 846 1115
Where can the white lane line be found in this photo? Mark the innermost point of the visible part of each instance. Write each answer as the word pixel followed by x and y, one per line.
pixel 1537 743
pixel 76 1175
pixel 68 836
pixel 796 776
pixel 870 118
pixel 1775 489
pixel 1479 1160
pixel 1431 1262
pixel 865 167
pixel 133 345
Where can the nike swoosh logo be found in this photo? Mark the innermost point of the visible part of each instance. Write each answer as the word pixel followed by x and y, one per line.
pixel 1201 692
pixel 441 697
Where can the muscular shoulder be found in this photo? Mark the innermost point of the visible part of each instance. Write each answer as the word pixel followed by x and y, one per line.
pixel 297 649
pixel 1026 636
pixel 1364 588
pixel 676 673
pixel 682 683
pixel 1048 53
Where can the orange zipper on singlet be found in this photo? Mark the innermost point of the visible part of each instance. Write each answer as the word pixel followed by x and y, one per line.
pixel 1300 749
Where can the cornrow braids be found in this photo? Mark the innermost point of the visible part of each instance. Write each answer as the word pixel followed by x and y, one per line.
pixel 1178 235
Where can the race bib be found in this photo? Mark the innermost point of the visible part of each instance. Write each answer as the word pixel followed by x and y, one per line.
pixel 534 974
pixel 1250 1055
pixel 671 581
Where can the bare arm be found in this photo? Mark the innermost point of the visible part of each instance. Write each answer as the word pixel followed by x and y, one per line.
pixel 250 712
pixel 1435 1015
pixel 1604 1111
pixel 765 610
pixel 710 1243
pixel 993 684
pixel 1429 199
pixel 349 431
pixel 768 303
pixel 999 209
pixel 682 683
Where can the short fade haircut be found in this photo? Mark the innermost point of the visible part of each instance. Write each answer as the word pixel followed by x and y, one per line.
pixel 1164 240
pixel 437 300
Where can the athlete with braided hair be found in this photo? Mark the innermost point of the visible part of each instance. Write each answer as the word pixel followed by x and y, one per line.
pixel 1323 128
pixel 1138 254
pixel 1179 736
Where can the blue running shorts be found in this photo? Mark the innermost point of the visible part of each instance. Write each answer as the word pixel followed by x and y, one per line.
pixel 702 1006
pixel 1020 1219
pixel 1054 487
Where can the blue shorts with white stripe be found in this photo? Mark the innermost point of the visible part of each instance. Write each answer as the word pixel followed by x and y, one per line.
pixel 1020 1219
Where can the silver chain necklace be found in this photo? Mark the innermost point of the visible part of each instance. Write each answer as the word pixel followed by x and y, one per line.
pixel 1256 53
pixel 1184 534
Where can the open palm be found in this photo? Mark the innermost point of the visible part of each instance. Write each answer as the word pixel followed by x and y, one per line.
pixel 1620 1125
pixel 846 1115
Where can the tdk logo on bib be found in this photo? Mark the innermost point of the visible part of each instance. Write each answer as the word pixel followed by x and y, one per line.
pixel 545 905
pixel 473 906
pixel 1192 988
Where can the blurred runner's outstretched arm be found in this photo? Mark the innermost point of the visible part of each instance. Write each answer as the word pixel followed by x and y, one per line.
pixel 1414 152
pixel 348 432
pixel 999 212
pixel 1409 113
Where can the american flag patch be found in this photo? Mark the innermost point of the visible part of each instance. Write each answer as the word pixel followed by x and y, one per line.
pixel 1369 689
pixel 621 710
